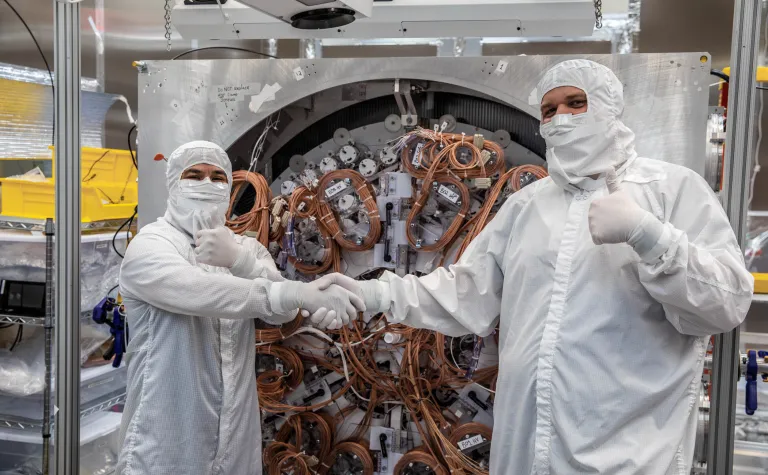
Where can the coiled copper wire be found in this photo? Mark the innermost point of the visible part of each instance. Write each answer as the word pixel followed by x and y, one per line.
pixel 368 198
pixel 353 448
pixel 257 219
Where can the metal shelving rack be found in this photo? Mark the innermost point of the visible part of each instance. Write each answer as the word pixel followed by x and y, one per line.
pixel 98 406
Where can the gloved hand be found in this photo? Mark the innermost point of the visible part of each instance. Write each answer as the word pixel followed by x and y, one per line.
pixel 324 319
pixel 217 247
pixel 370 291
pixel 313 296
pixel 616 218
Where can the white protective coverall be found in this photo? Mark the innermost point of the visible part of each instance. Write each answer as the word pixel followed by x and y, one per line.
pixel 601 349
pixel 192 406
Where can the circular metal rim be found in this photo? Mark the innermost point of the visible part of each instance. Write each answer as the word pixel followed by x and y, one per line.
pixel 328 18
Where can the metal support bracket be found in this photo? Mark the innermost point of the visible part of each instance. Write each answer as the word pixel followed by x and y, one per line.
pixel 740 150
pixel 408 115
pixel 67 107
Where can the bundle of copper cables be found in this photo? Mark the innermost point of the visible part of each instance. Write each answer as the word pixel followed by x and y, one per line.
pixel 357 451
pixel 427 149
pixel 304 204
pixel 421 370
pixel 415 457
pixel 433 157
pixel 274 334
pixel 257 219
pixel 368 199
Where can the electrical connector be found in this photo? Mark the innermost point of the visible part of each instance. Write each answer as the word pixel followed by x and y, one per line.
pixel 485 155
pixel 481 183
pixel 479 141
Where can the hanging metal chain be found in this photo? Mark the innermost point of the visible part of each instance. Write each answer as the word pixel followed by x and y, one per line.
pixel 598 14
pixel 168 25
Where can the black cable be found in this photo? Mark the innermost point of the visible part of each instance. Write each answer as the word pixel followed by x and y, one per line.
pixel 127 221
pixel 128 229
pixel 47 66
pixel 19 335
pixel 85 178
pixel 113 288
pixel 720 74
pixel 762 88
pixel 130 148
pixel 223 47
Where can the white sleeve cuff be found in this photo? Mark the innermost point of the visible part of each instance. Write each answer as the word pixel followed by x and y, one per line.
pixel 275 291
pixel 385 302
pixel 653 255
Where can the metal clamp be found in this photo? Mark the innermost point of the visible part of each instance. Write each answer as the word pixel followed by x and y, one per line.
pixel 408 115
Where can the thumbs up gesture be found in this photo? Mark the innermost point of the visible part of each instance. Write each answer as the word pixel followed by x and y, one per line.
pixel 616 218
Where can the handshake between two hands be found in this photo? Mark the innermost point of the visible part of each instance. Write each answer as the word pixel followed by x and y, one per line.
pixel 334 300
pixel 330 302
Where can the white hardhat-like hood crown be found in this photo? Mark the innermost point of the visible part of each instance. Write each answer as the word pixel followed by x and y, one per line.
pixel 584 145
pixel 192 204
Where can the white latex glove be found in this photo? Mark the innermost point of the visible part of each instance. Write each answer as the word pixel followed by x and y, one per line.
pixel 616 219
pixel 314 296
pixel 371 291
pixel 217 247
pixel 325 319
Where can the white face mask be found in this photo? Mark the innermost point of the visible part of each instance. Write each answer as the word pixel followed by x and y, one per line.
pixel 579 147
pixel 198 204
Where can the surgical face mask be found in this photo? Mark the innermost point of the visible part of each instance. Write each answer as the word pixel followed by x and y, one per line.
pixel 204 190
pixel 198 204
pixel 579 147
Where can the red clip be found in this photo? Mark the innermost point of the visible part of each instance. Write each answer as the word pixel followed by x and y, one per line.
pixel 159 157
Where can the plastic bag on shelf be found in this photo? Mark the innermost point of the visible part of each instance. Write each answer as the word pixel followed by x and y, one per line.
pixel 22 371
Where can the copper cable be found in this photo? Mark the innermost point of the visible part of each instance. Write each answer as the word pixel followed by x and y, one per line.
pixel 471 429
pixel 293 365
pixel 304 204
pixel 275 334
pixel 362 454
pixel 418 456
pixel 257 219
pixel 292 429
pixel 421 200
pixel 368 199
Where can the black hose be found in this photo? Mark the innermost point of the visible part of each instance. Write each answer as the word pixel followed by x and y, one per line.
pixel 720 74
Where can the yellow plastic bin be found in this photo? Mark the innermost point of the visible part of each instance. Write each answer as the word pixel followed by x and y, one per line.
pixel 99 201
pixel 104 165
pixel 761 283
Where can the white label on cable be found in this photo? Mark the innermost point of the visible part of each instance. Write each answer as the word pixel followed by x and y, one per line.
pixel 279 367
pixel 298 73
pixel 502 67
pixel 459 413
pixel 334 190
pixel 417 154
pixel 313 369
pixel 471 442
pixel 448 194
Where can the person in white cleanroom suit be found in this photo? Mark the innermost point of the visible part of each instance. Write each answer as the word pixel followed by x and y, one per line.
pixel 607 294
pixel 191 290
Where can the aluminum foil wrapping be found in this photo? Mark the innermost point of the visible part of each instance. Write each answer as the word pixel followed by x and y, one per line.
pixel 26 113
